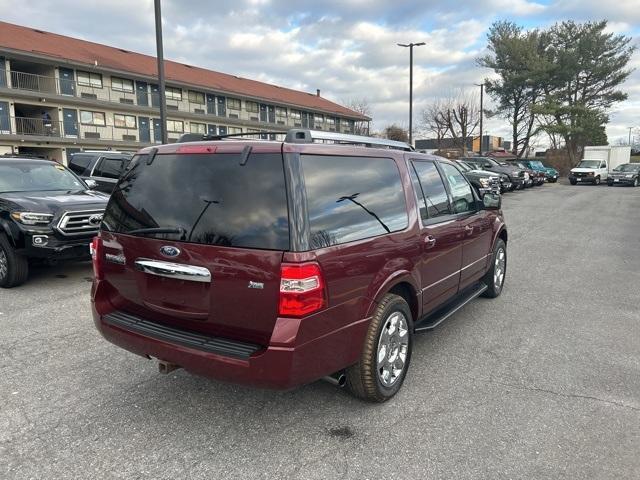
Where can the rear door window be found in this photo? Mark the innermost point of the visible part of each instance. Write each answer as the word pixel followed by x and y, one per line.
pixel 351 198
pixel 79 163
pixel 109 168
pixel 432 194
pixel 212 199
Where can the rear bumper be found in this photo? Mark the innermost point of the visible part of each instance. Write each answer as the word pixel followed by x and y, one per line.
pixel 276 366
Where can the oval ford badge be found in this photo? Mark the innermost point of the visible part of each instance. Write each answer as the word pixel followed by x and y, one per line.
pixel 169 251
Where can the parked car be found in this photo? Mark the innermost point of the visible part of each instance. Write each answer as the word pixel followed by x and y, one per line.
pixel 597 163
pixel 483 180
pixel 46 213
pixel 536 178
pixel 625 174
pixel 551 174
pixel 505 182
pixel 103 167
pixel 287 262
pixel 518 177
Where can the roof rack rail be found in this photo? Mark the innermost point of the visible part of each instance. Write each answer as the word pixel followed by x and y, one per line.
pixel 302 135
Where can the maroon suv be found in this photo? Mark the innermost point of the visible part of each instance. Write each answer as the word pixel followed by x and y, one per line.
pixel 276 264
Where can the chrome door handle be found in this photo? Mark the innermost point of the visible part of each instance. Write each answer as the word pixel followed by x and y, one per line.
pixel 429 242
pixel 177 271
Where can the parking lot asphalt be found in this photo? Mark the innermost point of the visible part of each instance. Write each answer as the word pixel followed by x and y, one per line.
pixel 543 382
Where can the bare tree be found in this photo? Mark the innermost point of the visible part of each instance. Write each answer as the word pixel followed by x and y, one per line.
pixel 433 121
pixel 361 106
pixel 394 132
pixel 456 116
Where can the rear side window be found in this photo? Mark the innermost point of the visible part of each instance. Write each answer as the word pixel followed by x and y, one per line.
pixel 351 198
pixel 212 198
pixel 429 187
pixel 109 168
pixel 79 163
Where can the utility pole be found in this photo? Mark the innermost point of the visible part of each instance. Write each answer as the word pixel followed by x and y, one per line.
pixel 161 85
pixel 630 128
pixel 410 46
pixel 481 85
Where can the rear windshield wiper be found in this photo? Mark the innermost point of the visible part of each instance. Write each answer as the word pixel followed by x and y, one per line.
pixel 153 230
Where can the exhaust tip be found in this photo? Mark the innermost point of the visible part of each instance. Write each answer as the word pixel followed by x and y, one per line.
pixel 339 379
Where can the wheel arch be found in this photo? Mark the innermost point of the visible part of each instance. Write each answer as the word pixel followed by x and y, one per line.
pixel 402 284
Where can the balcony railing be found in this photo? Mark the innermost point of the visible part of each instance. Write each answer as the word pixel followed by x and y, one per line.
pixel 146 98
pixel 30 126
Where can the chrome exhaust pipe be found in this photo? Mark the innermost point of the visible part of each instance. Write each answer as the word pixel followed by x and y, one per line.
pixel 166 367
pixel 337 379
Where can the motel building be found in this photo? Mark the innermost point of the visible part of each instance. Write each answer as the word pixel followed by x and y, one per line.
pixel 60 95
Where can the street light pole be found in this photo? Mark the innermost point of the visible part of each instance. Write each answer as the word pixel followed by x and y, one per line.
pixel 161 85
pixel 411 45
pixel 630 128
pixel 481 85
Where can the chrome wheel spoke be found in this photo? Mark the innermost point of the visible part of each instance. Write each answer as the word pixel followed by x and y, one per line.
pixel 393 347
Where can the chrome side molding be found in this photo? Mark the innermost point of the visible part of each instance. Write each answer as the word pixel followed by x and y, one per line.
pixel 177 271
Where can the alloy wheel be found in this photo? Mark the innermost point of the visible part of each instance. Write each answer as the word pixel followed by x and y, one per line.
pixel 393 346
pixel 500 267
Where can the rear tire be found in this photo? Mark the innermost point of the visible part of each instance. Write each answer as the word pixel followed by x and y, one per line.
pixel 635 182
pixel 14 268
pixel 495 276
pixel 386 354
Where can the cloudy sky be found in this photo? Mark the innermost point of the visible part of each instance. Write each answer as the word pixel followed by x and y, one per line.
pixel 346 48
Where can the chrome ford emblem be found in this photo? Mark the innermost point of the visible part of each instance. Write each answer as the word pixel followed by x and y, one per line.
pixel 169 251
pixel 95 219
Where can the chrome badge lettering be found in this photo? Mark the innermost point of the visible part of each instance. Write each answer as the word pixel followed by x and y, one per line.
pixel 258 285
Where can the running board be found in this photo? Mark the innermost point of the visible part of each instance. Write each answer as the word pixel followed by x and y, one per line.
pixel 434 319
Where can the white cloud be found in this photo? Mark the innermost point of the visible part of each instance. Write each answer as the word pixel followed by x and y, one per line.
pixel 346 48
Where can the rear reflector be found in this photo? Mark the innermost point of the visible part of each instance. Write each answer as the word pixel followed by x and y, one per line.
pixel 302 289
pixel 196 149
pixel 97 256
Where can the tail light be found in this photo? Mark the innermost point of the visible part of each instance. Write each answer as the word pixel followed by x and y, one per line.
pixel 97 256
pixel 302 289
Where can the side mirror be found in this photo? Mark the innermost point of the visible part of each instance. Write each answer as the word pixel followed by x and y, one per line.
pixel 487 165
pixel 91 184
pixel 492 201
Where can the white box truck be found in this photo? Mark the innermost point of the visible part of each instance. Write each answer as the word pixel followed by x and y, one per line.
pixel 597 162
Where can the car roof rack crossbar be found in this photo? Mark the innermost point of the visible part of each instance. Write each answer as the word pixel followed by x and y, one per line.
pixel 302 135
pixel 198 137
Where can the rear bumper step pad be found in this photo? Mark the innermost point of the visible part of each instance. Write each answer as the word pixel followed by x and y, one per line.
pixel 197 341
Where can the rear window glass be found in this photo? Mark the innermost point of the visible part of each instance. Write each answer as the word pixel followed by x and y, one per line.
pixel 212 198
pixel 80 162
pixel 351 198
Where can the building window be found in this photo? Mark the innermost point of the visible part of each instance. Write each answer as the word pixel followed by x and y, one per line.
pixel 232 130
pixel 295 114
pixel 331 122
pixel 252 107
pixel 122 84
pixel 175 126
pixel 318 120
pixel 196 97
pixel 173 93
pixel 233 103
pixel 90 79
pixel 281 112
pixel 92 118
pixel 198 128
pixel 124 121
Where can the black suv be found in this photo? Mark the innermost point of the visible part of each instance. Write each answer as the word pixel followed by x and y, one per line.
pixel 517 176
pixel 102 167
pixel 483 180
pixel 46 212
